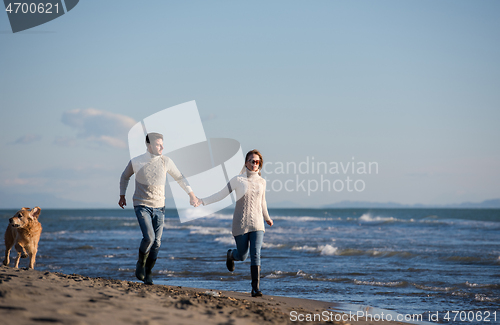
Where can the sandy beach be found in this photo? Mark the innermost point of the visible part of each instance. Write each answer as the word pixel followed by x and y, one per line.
pixel 36 297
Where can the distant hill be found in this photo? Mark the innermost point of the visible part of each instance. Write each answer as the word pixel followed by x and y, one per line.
pixel 492 204
pixel 285 204
pixel 366 204
pixel 16 201
pixel 488 204
pixel 45 201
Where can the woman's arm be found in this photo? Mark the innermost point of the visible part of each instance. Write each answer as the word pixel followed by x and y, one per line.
pixel 221 194
pixel 265 213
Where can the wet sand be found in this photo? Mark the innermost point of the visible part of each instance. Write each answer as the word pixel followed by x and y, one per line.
pixel 34 297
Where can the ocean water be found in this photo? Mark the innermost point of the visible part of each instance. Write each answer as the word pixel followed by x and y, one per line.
pixel 411 261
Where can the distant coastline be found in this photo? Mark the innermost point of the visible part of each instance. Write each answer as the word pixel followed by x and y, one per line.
pixel 487 204
pixel 48 201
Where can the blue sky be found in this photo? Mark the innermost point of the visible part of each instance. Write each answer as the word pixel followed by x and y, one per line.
pixel 411 85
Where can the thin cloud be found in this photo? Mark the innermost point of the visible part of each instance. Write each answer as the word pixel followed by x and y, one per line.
pixel 101 127
pixel 65 141
pixel 16 181
pixel 209 117
pixel 27 139
pixel 67 173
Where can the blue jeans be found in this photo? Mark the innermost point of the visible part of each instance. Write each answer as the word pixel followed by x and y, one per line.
pixel 151 223
pixel 251 241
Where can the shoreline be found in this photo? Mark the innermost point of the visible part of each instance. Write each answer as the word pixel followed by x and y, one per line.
pixel 31 296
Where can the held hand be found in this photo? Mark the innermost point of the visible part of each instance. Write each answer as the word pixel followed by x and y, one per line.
pixel 198 202
pixel 122 201
pixel 269 222
pixel 193 200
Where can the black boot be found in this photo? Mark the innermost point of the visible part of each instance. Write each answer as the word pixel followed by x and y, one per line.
pixel 140 271
pixel 150 263
pixel 230 260
pixel 255 271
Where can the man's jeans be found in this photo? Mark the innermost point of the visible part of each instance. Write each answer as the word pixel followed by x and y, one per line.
pixel 255 239
pixel 151 223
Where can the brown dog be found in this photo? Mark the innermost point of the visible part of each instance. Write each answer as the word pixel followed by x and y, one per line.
pixel 23 232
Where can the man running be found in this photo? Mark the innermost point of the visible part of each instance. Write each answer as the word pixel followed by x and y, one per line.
pixel 151 170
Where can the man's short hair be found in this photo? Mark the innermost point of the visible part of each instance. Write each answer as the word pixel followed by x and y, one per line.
pixel 153 136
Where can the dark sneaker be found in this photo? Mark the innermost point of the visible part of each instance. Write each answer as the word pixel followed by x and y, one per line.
pixel 148 278
pixel 256 293
pixel 140 267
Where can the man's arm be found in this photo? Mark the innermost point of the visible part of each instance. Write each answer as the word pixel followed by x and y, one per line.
pixel 124 180
pixel 182 181
pixel 122 202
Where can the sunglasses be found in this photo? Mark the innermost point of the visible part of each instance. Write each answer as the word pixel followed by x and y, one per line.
pixel 253 162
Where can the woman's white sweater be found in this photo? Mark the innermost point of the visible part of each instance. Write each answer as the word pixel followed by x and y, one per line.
pixel 251 206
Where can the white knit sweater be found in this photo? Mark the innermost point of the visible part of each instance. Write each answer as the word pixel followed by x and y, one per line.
pixel 251 206
pixel 150 177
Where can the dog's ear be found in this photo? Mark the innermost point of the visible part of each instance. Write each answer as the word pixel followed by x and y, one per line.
pixel 25 208
pixel 35 212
